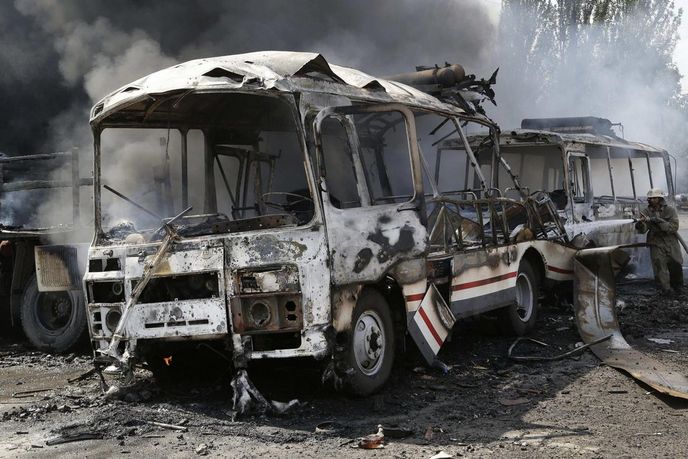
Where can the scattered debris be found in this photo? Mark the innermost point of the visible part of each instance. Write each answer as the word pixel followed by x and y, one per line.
pixel 595 292
pixel 70 438
pixel 660 340
pixel 327 427
pixel 442 455
pixel 549 358
pixel 112 392
pixel 397 433
pixel 203 449
pixel 83 376
pixel 30 393
pixel 168 426
pixel 514 402
pixel 373 441
pixel 248 399
pixel 440 365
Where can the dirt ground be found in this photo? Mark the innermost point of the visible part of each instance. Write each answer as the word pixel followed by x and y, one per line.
pixel 486 405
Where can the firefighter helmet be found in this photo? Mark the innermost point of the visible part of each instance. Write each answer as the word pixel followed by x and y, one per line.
pixel 656 193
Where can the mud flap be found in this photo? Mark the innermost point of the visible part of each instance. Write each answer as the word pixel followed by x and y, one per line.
pixel 594 304
pixel 430 324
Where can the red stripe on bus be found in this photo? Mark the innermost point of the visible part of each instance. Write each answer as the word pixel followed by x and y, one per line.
pixel 559 270
pixel 426 319
pixel 416 297
pixel 480 282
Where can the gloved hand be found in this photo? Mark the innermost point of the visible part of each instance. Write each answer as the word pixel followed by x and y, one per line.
pixel 656 220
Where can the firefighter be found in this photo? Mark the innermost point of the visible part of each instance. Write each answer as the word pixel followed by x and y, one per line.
pixel 660 221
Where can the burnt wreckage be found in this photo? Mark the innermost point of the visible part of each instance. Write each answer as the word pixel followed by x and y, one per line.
pixel 275 206
pixel 597 181
pixel 43 248
pixel 596 178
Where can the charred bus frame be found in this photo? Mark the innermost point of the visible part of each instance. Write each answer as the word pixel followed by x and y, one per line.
pixel 365 246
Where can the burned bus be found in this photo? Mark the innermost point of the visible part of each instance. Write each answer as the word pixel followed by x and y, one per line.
pixel 43 248
pixel 596 179
pixel 272 205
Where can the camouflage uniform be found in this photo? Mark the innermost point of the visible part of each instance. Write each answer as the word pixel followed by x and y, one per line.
pixel 665 251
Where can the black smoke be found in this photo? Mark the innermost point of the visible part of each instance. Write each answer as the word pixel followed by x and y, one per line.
pixel 58 58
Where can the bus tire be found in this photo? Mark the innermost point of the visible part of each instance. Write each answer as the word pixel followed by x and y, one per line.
pixel 52 321
pixel 371 344
pixel 520 317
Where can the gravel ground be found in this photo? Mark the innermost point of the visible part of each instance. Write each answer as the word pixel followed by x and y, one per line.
pixel 486 405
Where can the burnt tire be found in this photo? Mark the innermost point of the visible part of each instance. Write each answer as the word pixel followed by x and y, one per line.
pixel 520 317
pixel 370 345
pixel 52 321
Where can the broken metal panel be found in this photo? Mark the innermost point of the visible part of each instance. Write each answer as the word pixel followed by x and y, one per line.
pixel 295 261
pixel 314 343
pixel 178 262
pixel 280 279
pixel 163 313
pixel 480 280
pixel 414 294
pixel 431 324
pixel 267 299
pixel 60 267
pixel 557 259
pixel 197 318
pixel 594 304
pixel 343 303
pixel 605 233
pixel 274 70
pixel 366 242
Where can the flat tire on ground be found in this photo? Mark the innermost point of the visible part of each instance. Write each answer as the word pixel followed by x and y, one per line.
pixel 371 344
pixel 52 321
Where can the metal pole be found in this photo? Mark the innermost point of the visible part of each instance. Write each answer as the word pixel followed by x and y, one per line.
pixel 76 191
pixel 185 169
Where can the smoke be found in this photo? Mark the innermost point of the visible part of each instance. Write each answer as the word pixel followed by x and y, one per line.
pixel 620 69
pixel 546 69
pixel 98 46
pixel 59 58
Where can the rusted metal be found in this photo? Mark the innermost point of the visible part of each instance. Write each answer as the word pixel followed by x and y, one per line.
pixel 57 268
pixel 594 303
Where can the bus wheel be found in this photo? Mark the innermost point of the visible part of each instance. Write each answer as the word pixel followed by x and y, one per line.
pixel 52 321
pixel 370 347
pixel 521 316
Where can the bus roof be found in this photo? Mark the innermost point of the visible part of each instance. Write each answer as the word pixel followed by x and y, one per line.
pixel 280 71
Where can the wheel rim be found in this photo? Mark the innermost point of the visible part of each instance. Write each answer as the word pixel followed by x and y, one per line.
pixel 524 297
pixel 53 310
pixel 369 343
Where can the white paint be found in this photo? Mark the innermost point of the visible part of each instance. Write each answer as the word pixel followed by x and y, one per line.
pixel 465 294
pixel 427 334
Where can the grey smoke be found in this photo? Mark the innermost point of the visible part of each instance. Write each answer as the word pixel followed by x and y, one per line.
pixel 623 79
pixel 98 46
pixel 58 58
